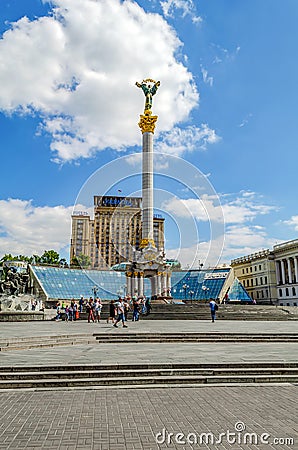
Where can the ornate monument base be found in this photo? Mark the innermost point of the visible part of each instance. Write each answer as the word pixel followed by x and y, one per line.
pixel 149 264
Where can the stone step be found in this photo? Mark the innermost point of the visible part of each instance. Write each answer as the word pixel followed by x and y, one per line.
pixel 182 380
pixel 121 373
pixel 121 336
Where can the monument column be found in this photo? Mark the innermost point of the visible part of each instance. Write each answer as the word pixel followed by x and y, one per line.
pixel 150 260
pixel 147 126
pixel 141 284
pixel 158 284
pixel 136 285
pixel 128 283
pixel 169 287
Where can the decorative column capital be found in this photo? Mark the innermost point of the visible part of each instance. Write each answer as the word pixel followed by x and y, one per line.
pixel 147 122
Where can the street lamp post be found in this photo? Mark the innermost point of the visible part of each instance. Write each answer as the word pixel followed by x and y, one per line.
pixel 185 287
pixel 205 289
pixel 94 290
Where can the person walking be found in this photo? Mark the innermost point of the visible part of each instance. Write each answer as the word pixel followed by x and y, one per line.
pixel 213 308
pixel 112 312
pixel 148 306
pixel 66 313
pixel 58 309
pixel 120 312
pixel 136 309
pixel 97 306
pixel 126 308
pixel 81 304
pixel 89 309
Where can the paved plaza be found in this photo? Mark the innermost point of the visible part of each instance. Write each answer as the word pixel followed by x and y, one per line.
pixel 143 418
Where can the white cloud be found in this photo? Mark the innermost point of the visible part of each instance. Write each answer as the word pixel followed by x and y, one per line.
pixel 245 120
pixel 242 235
pixel 292 222
pixel 224 54
pixel 239 210
pixel 178 140
pixel 27 229
pixel 206 78
pixel 186 6
pixel 76 70
pixel 238 241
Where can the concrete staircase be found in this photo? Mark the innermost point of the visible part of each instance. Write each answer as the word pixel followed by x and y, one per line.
pixel 45 341
pixel 122 336
pixel 201 311
pixel 145 375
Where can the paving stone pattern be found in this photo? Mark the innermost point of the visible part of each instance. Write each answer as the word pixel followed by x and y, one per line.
pixel 128 419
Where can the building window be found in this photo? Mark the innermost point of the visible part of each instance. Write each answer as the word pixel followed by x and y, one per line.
pixel 280 292
pixel 246 269
pixel 265 280
pixel 242 270
pixel 256 282
pixel 287 292
pixel 255 268
pixel 250 269
pixel 294 291
pixel 260 267
pixel 261 280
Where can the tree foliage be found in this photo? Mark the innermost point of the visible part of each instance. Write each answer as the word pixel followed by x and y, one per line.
pixel 50 257
pixel 81 260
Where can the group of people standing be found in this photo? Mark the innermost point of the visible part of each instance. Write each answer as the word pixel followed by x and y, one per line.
pixel 118 310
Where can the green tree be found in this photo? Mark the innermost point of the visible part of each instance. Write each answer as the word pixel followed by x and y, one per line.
pixel 6 257
pixel 35 259
pixel 81 260
pixel 50 257
pixel 63 262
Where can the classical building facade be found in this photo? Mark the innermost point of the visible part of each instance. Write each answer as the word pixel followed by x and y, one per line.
pixel 256 272
pixel 271 276
pixel 286 263
pixel 115 232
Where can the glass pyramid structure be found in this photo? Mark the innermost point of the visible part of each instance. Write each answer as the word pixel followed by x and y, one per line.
pixel 61 283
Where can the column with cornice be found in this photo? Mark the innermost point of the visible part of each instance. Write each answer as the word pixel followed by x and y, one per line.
pixel 128 283
pixel 296 268
pixel 141 284
pixel 289 270
pixel 278 273
pixel 283 274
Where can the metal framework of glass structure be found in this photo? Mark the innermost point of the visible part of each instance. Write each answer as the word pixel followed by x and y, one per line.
pixel 61 283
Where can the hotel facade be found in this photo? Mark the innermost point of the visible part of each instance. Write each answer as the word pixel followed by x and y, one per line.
pixel 114 234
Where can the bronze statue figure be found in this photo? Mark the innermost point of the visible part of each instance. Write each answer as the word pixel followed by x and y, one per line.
pixel 149 88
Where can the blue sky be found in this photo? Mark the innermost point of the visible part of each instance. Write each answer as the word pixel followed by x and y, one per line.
pixel 227 108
